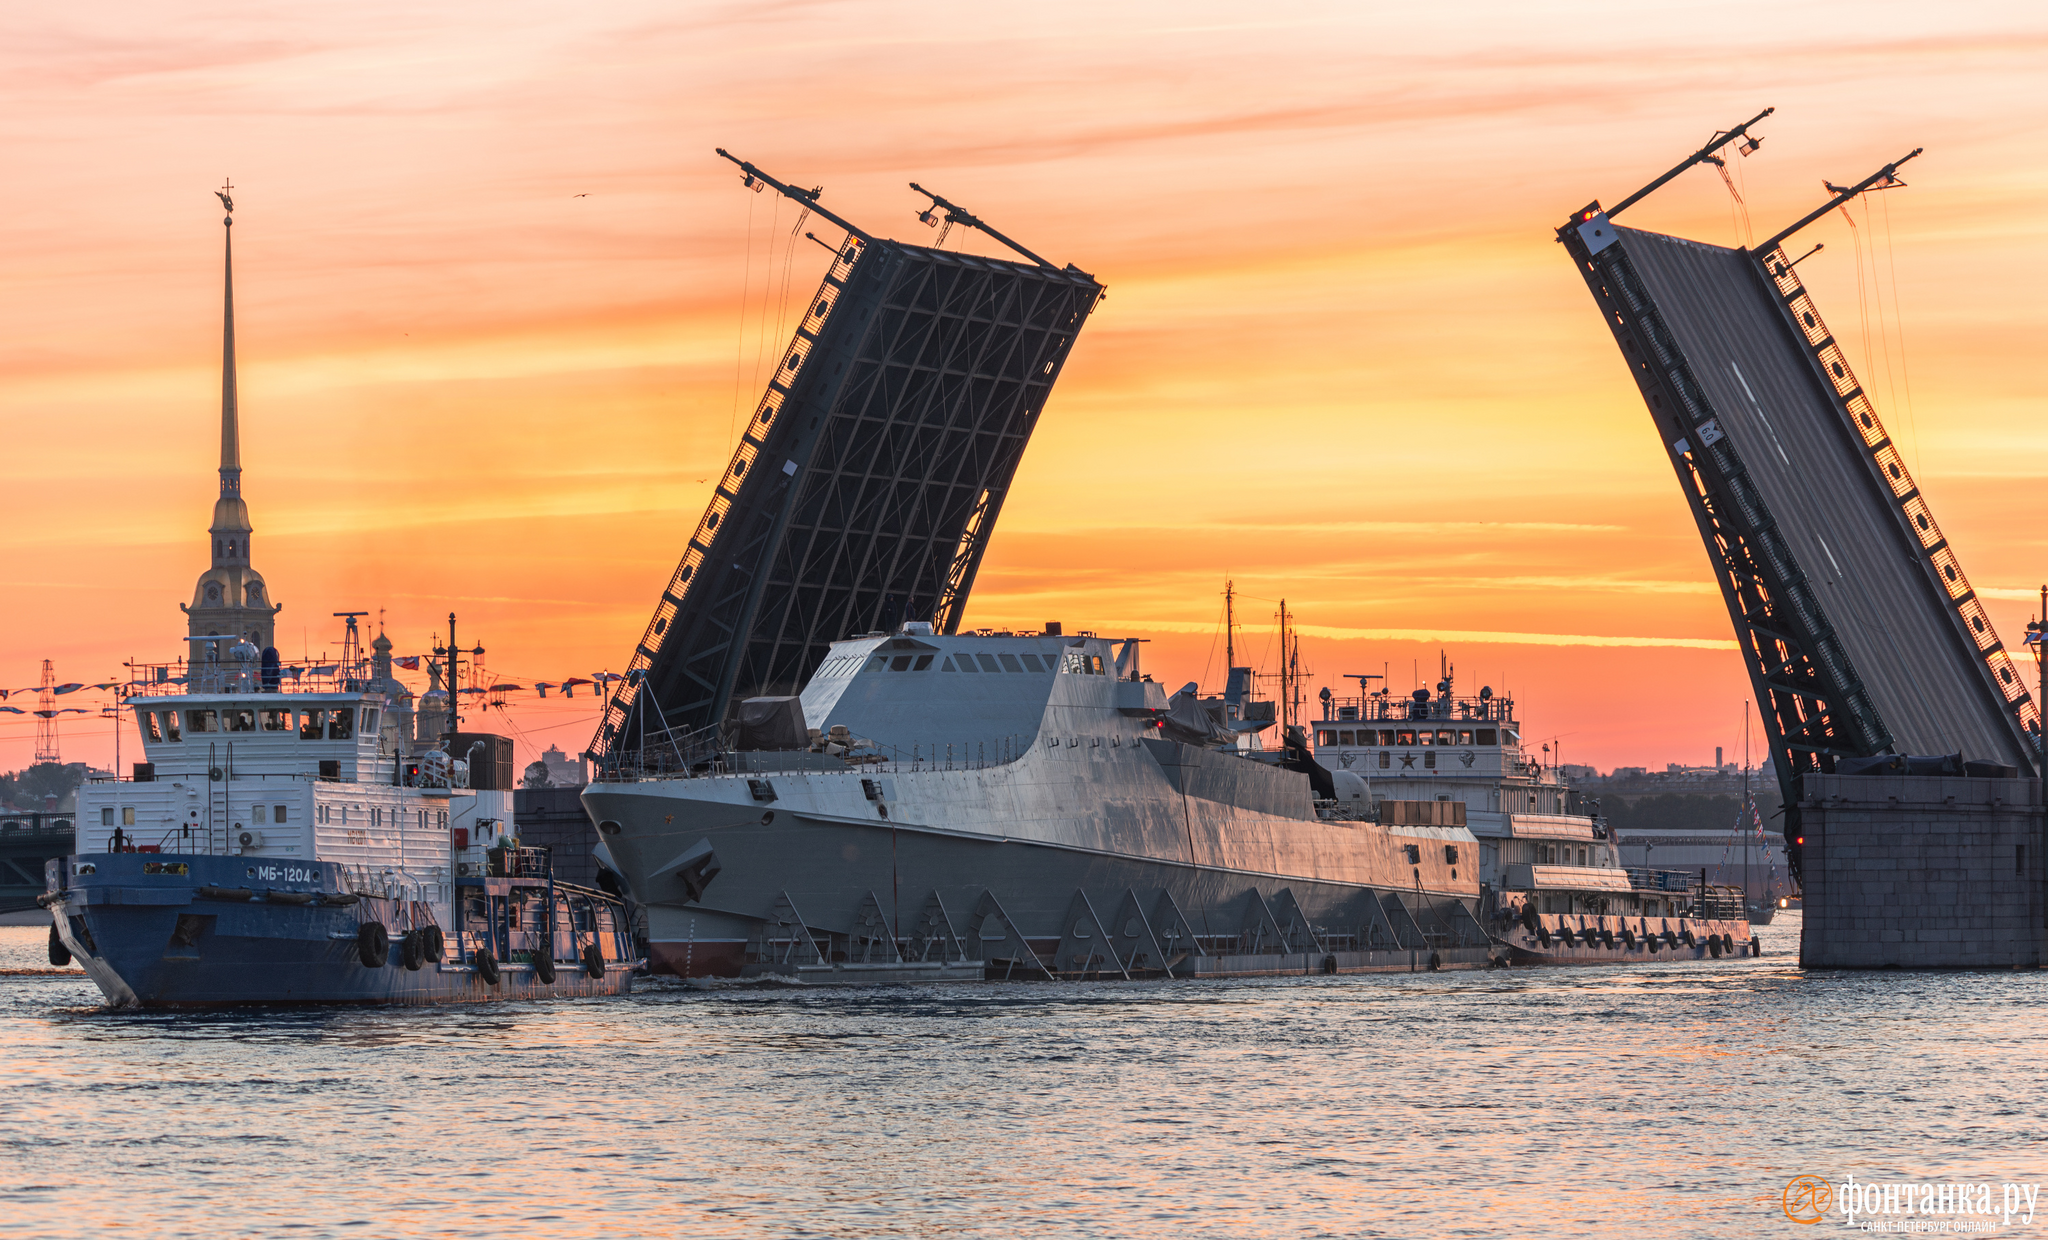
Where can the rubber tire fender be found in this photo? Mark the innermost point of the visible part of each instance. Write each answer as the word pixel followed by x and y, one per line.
pixel 373 944
pixel 486 965
pixel 1435 962
pixel 1714 945
pixel 1688 939
pixel 1756 946
pixel 412 951
pixel 593 962
pixel 60 955
pixel 544 967
pixel 435 942
pixel 1329 965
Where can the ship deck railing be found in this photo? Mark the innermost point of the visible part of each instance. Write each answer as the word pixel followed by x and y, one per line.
pixel 27 825
pixel 181 678
pixel 1677 881
pixel 1386 708
pixel 707 752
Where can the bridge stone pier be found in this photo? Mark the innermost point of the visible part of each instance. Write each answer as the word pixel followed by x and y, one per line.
pixel 1922 872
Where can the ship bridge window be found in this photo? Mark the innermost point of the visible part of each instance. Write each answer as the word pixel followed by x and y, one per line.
pixel 1464 736
pixel 312 724
pixel 1010 663
pixel 1345 738
pixel 238 720
pixel 277 721
pixel 901 663
pixel 1446 738
pixel 1076 663
pixel 1487 736
pixel 341 725
pixel 1404 738
pixel 151 731
pixel 171 732
pixel 1386 738
pixel 965 660
pixel 881 663
pixel 924 661
pixel 989 664
pixel 201 721
pixel 1031 663
pixel 369 719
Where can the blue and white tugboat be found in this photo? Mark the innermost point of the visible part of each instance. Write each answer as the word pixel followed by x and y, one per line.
pixel 311 834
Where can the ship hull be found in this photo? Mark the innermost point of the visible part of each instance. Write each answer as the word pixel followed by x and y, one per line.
pixel 151 931
pixel 1600 940
pixel 828 872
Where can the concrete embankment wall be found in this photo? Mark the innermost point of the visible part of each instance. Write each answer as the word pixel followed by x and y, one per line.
pixel 1922 872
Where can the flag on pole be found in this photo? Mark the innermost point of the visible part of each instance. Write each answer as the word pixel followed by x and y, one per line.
pixel 410 662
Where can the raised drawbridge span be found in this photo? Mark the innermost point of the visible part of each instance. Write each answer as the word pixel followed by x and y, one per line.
pixel 867 483
pixel 1861 632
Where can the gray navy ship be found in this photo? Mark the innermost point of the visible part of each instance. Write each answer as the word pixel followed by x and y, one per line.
pixel 1003 804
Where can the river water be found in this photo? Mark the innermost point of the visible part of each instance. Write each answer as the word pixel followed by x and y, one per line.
pixel 1648 1100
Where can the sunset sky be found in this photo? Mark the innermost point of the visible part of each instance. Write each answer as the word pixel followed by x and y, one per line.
pixel 1342 360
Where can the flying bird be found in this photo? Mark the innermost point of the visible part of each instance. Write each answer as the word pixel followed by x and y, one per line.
pixel 579 195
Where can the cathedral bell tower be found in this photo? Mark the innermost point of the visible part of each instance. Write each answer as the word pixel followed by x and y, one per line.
pixel 230 598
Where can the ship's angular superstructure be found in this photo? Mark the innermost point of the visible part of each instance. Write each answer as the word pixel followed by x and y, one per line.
pixel 867 483
pixel 1861 633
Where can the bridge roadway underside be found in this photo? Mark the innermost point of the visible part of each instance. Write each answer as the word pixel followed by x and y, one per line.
pixel 1814 475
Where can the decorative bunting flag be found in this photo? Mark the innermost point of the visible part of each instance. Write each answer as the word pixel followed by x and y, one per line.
pixel 410 663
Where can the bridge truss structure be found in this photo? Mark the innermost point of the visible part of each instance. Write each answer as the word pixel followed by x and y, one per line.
pixel 867 483
pixel 1861 632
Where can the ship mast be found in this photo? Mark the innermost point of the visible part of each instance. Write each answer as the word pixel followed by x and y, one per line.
pixel 1229 627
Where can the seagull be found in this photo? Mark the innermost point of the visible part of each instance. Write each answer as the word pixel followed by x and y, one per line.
pixel 579 195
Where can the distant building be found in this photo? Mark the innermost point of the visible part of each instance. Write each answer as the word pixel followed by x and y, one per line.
pixel 563 770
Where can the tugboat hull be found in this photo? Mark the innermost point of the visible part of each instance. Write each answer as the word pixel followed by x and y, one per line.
pixel 164 930
pixel 1585 939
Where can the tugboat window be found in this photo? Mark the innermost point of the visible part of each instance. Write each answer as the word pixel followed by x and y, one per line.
pixel 341 725
pixel 967 663
pixel 239 720
pixel 369 719
pixel 150 730
pixel 1010 663
pixel 988 663
pixel 1488 736
pixel 1031 663
pixel 923 661
pixel 201 721
pixel 277 721
pixel 1404 738
pixel 901 663
pixel 280 812
pixel 312 724
pixel 171 732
